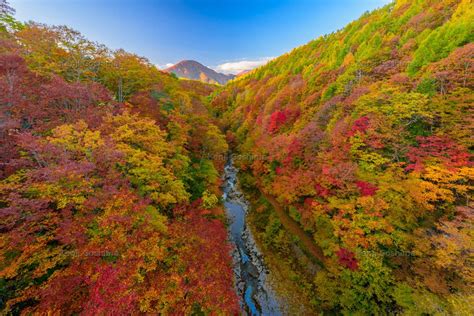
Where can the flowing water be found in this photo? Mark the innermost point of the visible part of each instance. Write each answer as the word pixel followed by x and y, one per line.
pixel 255 292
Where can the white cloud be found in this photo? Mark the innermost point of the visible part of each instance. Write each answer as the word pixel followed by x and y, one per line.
pixel 237 66
pixel 168 65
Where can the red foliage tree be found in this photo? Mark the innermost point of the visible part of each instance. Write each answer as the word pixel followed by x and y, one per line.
pixel 366 189
pixel 347 259
pixel 109 293
pixel 360 125
pixel 321 190
pixel 277 119
pixel 440 148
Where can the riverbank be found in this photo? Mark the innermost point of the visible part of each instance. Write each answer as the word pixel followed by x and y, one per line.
pixel 291 267
pixel 308 243
pixel 293 270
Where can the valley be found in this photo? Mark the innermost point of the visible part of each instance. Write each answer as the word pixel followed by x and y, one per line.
pixel 335 179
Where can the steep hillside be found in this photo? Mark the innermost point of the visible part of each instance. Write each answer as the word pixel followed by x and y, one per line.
pixel 108 183
pixel 191 69
pixel 364 136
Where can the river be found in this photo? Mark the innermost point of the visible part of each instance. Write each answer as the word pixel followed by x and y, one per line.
pixel 252 281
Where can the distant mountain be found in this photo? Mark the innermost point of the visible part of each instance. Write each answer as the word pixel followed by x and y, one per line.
pixel 191 69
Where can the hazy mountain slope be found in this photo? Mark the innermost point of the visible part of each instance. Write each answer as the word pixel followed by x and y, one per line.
pixel 243 72
pixel 365 136
pixel 191 69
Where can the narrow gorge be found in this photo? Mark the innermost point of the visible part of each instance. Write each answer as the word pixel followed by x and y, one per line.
pixel 256 294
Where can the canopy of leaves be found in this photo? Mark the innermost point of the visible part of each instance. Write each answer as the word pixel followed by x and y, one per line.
pixel 98 214
pixel 377 162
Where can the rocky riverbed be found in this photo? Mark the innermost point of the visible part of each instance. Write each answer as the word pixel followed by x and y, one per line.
pixel 252 281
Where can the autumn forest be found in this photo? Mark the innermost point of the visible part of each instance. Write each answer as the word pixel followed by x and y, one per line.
pixel 354 158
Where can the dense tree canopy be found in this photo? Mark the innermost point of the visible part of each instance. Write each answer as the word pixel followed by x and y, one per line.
pixel 109 169
pixel 105 205
pixel 365 136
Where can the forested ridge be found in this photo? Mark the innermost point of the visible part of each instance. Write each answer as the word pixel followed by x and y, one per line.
pixel 109 194
pixel 365 137
pixel 110 170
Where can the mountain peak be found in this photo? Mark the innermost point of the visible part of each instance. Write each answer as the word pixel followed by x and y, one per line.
pixel 189 62
pixel 192 69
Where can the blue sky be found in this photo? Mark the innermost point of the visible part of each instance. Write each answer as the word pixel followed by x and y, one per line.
pixel 228 35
